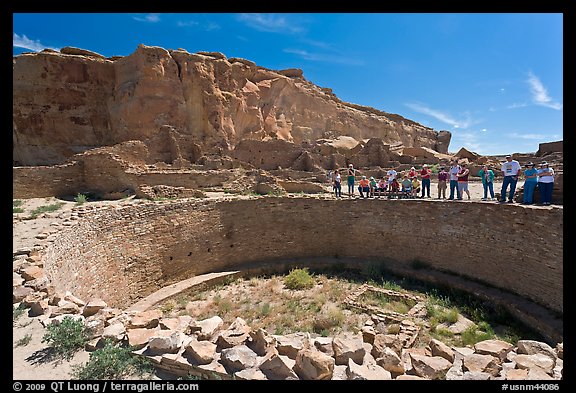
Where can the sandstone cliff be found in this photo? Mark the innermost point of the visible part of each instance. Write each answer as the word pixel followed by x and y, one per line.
pixel 182 106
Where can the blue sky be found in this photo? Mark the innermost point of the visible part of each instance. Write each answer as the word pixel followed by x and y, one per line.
pixel 495 80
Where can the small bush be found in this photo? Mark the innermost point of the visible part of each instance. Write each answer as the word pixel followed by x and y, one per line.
pixel 332 318
pixel 299 279
pixel 265 310
pixel 24 341
pixel 372 271
pixel 66 338
pixel 80 199
pixel 17 312
pixel 46 208
pixel 475 334
pixel 16 203
pixel 112 362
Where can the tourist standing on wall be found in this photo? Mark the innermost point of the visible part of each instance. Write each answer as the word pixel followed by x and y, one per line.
pixel 487 176
pixel 463 182
pixel 442 182
pixel 545 183
pixel 530 181
pixel 351 180
pixel 453 172
pixel 510 170
pixel 391 176
pixel 425 174
pixel 412 174
pixel 337 183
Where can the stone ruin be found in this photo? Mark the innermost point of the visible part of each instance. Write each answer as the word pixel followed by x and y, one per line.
pixel 228 125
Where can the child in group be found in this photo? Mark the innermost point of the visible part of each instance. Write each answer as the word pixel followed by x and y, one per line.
pixel 406 187
pixel 415 187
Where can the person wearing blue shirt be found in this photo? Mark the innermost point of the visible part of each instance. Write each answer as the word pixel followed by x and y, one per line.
pixel 531 179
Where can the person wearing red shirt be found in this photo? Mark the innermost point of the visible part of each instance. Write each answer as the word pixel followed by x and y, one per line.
pixel 463 181
pixel 425 174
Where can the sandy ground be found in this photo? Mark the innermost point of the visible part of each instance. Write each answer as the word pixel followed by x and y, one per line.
pixel 29 361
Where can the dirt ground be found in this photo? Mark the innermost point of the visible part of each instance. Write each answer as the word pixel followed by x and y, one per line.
pixel 29 361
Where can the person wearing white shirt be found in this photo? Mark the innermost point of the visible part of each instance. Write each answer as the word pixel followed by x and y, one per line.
pixel 453 172
pixel 511 171
pixel 545 183
pixel 391 176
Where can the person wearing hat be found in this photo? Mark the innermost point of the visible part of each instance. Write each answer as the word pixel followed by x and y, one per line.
pixel 425 174
pixel 545 183
pixel 442 182
pixel 412 174
pixel 511 171
pixel 364 186
pixel 531 179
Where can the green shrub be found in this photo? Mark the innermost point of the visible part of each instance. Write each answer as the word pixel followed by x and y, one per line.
pixel 299 279
pixel 265 310
pixel 66 338
pixel 112 362
pixel 16 203
pixel 46 208
pixel 80 199
pixel 24 341
pixel 372 271
pixel 475 334
pixel 17 312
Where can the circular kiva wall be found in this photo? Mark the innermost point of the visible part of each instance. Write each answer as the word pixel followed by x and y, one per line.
pixel 122 255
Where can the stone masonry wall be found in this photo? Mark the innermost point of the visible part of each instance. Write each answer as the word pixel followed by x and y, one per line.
pixel 47 181
pixel 125 254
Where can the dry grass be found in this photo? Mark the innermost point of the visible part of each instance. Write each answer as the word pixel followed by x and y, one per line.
pixel 267 303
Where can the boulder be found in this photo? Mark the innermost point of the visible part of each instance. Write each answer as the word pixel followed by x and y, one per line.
pixel 312 364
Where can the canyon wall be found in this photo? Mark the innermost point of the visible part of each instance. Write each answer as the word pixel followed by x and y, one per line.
pixel 182 106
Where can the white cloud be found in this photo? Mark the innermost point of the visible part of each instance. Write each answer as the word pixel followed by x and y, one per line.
pixel 271 23
pixel 151 18
pixel 188 23
pixel 540 93
pixel 442 116
pixel 26 43
pixel 517 105
pixel 312 56
pixel 538 137
pixel 483 130
pixel 212 26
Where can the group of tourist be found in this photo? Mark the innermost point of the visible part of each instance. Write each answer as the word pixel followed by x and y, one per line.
pixel 456 178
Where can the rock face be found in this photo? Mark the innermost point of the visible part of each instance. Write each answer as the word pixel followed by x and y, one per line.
pixel 181 105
